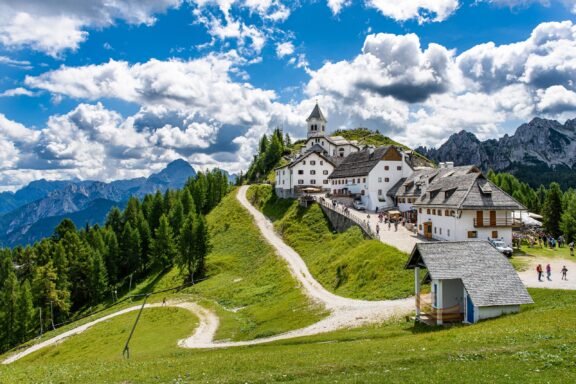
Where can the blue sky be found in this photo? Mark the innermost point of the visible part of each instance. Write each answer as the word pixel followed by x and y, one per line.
pixel 100 91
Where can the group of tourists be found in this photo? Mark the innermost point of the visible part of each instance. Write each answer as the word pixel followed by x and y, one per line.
pixel 540 272
pixel 538 238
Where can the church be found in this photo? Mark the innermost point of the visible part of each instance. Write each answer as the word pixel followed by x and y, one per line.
pixel 318 158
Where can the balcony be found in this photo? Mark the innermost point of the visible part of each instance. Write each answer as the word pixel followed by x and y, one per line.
pixel 497 222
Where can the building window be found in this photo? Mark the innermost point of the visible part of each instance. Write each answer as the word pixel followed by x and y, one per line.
pixel 399 167
pixel 494 234
pixel 304 162
pixel 446 213
pixel 434 230
pixel 321 162
pixel 386 179
pixel 427 211
pixel 379 192
pixel 379 179
pixel 440 230
pixel 312 181
pixel 300 181
pixel 472 234
pixel 325 181
pixel 434 211
pixel 419 210
pixel 448 232
pixel 386 167
pixel 312 172
pixel 364 180
pixel 439 212
pixel 324 172
pixel 362 192
pixel 300 171
pixel 312 162
pixel 283 172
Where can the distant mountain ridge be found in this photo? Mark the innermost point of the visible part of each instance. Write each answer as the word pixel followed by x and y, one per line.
pixel 42 204
pixel 539 152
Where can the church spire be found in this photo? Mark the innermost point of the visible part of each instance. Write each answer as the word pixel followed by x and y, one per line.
pixel 316 122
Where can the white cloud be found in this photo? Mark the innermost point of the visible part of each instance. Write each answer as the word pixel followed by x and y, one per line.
pixel 15 63
pixel 337 5
pixel 53 27
pixel 570 4
pixel 556 100
pixel 19 91
pixel 421 10
pixel 284 49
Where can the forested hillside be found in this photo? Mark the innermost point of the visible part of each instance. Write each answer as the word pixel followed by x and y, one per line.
pixel 557 207
pixel 74 269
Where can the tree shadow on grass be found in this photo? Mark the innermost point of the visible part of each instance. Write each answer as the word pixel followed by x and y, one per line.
pixel 149 287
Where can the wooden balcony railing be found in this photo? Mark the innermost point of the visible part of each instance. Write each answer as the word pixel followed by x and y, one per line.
pixel 497 222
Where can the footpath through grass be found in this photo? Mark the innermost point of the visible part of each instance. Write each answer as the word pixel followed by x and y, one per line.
pixel 536 346
pixel 346 263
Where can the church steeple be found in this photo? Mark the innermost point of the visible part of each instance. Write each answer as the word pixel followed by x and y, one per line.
pixel 316 122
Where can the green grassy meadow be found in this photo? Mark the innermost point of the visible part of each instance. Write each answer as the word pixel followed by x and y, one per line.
pixel 344 263
pixel 536 346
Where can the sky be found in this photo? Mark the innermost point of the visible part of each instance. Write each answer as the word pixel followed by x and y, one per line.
pixel 101 90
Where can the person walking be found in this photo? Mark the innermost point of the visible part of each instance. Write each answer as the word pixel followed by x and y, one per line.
pixel 378 230
pixel 548 272
pixel 396 226
pixel 564 270
pixel 539 270
pixel 389 224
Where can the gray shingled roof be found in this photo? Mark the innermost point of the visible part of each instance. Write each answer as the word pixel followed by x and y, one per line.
pixel 467 191
pixel 426 176
pixel 359 163
pixel 487 275
pixel 316 114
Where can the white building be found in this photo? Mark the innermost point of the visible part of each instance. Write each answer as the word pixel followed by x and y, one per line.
pixel 369 174
pixel 469 281
pixel 316 161
pixel 464 205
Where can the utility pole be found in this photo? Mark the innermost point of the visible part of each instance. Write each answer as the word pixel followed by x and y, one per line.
pixel 52 315
pixel 126 352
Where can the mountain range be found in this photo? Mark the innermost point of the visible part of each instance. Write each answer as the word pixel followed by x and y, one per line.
pixel 34 211
pixel 539 152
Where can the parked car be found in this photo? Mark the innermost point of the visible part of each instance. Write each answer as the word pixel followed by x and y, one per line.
pixel 502 247
pixel 359 205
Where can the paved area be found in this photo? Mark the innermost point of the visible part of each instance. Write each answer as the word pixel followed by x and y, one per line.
pixel 530 277
pixel 401 238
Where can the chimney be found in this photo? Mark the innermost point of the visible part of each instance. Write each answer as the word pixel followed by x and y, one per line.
pixel 449 164
pixel 442 165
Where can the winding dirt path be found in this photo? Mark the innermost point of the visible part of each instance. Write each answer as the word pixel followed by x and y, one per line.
pixel 344 312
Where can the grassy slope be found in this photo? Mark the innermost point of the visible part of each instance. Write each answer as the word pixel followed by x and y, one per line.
pixel 536 346
pixel 248 286
pixel 346 264
pixel 157 333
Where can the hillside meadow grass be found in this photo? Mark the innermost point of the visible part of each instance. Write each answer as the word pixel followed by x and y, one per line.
pixel 344 263
pixel 537 345
pixel 247 284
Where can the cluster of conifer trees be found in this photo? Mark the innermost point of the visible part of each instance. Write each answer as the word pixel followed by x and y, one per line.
pixel 270 150
pixel 74 269
pixel 557 207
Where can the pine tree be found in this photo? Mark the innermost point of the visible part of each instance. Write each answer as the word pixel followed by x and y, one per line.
pixel 552 210
pixel 9 298
pixel 111 255
pixel 156 212
pixel 65 226
pixel 25 313
pixel 114 220
pixel 98 278
pixel 176 216
pixel 186 247
pixel 568 220
pixel 130 250
pixel 187 202
pixel 163 246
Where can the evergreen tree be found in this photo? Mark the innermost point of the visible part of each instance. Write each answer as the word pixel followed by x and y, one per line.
pixel 9 298
pixel 163 246
pixel 98 278
pixel 187 254
pixel 65 226
pixel 45 292
pixel 114 220
pixel 176 216
pixel 130 250
pixel 568 220
pixel 552 210
pixel 112 256
pixel 156 212
pixel 187 202
pixel 25 313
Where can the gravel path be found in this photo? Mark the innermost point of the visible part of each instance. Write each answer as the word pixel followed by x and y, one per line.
pixel 344 312
pixel 530 277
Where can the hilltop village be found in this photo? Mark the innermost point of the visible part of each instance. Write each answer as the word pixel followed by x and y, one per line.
pixel 443 203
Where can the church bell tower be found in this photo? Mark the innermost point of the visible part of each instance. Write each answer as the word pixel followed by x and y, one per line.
pixel 316 123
